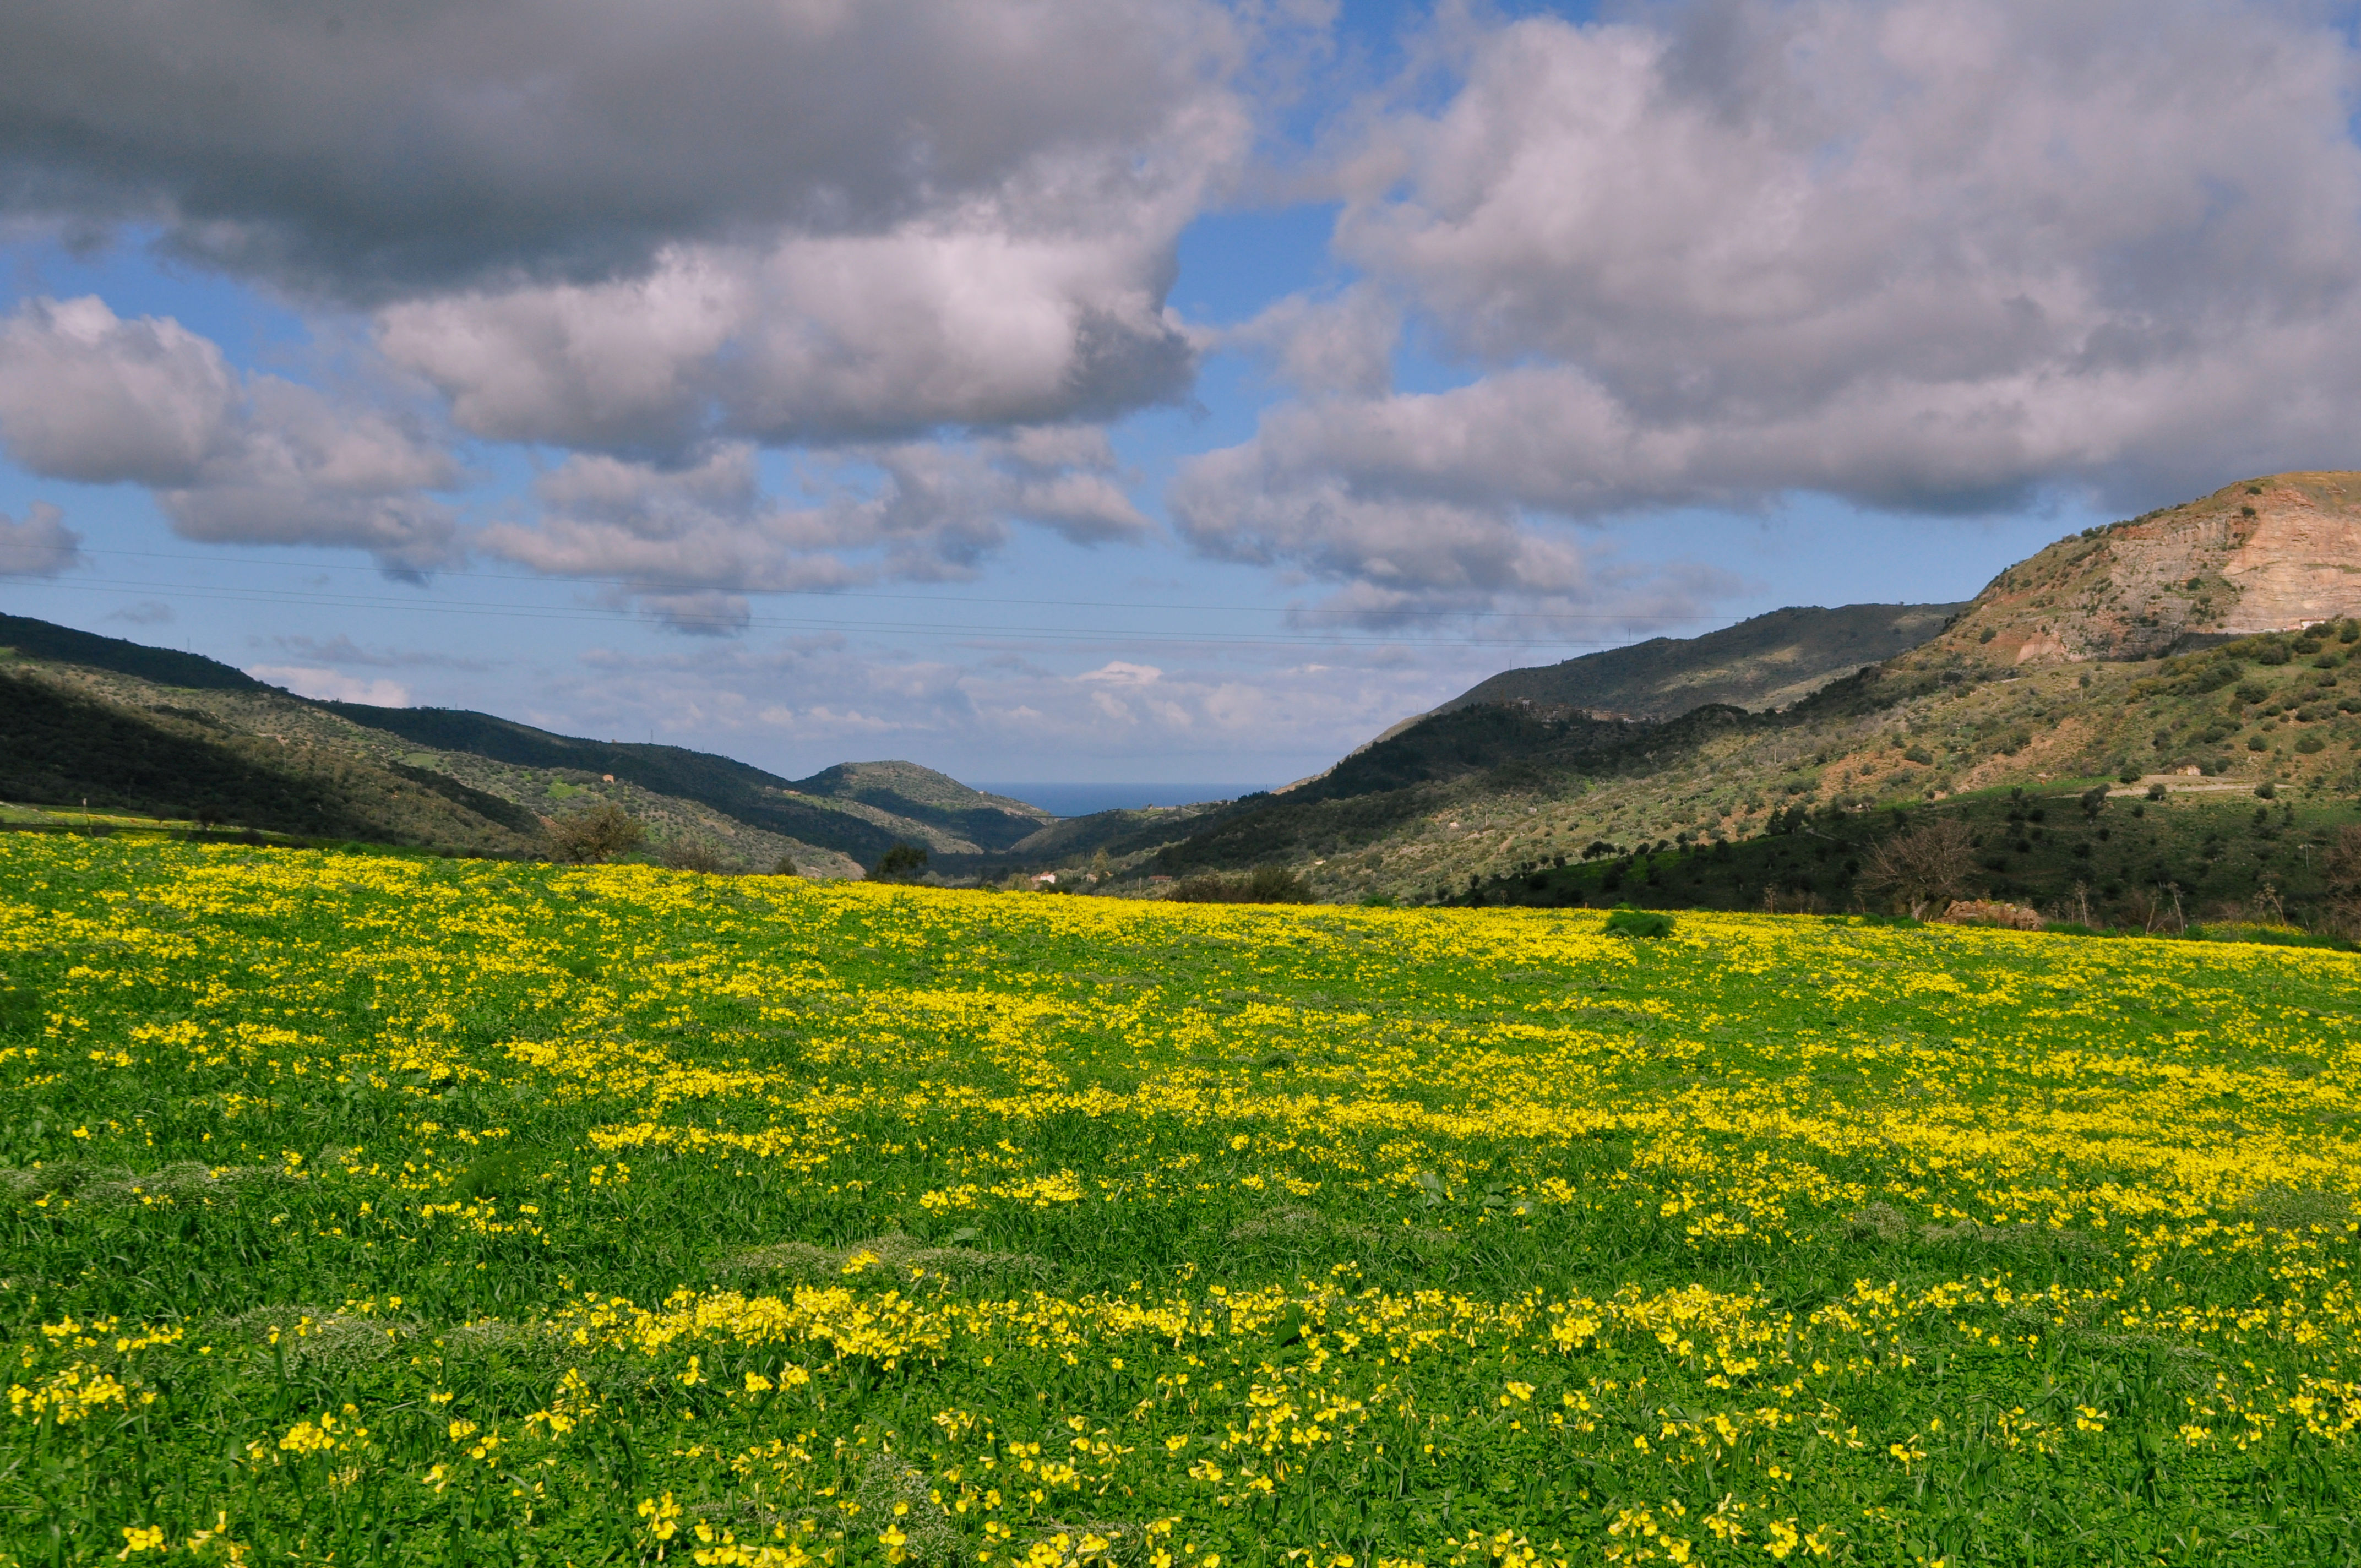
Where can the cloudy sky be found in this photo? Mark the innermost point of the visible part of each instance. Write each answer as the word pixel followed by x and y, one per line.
pixel 1123 390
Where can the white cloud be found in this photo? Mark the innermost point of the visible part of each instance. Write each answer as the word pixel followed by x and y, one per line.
pixel 1040 302
pixel 1410 505
pixel 1339 344
pixel 1212 713
pixel 689 544
pixel 332 685
pixel 1923 256
pixel 342 651
pixel 40 546
pixel 303 469
pixel 87 396
pixel 1123 672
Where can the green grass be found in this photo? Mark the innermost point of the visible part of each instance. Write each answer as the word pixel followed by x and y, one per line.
pixel 403 1210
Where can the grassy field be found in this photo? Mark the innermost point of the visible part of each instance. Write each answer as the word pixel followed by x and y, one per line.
pixel 380 1209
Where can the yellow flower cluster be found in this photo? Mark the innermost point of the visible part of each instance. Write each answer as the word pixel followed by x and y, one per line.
pixel 829 1223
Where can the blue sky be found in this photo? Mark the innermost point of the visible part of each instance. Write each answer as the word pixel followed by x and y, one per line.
pixel 1194 392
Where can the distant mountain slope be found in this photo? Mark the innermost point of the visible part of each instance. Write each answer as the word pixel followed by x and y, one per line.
pixel 921 794
pixel 861 808
pixel 43 639
pixel 1767 662
pixel 178 735
pixel 1457 743
pixel 1957 715
pixel 124 744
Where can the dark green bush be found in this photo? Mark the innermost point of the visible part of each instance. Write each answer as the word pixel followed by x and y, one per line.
pixel 900 863
pixel 1630 922
pixel 1264 884
pixel 691 852
pixel 597 833
pixel 20 1008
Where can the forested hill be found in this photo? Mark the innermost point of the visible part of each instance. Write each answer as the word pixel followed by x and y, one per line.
pixel 162 732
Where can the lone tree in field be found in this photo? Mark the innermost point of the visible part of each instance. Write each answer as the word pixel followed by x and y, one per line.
pixel 691 852
pixel 2343 877
pixel 902 863
pixel 1924 867
pixel 596 833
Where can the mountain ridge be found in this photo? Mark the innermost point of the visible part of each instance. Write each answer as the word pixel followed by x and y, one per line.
pixel 2064 670
pixel 1765 660
pixel 179 734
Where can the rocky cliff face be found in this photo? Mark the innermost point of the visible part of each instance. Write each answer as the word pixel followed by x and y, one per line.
pixel 2260 555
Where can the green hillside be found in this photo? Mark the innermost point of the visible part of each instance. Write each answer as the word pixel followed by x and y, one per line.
pixel 166 734
pixel 1768 661
pixel 1949 721
pixel 2118 856
pixel 60 745
pixel 860 809
pixel 22 637
pixel 2206 648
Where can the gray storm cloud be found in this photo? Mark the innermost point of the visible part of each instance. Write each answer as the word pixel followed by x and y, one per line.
pixel 1926 257
pixel 383 150
pixel 639 229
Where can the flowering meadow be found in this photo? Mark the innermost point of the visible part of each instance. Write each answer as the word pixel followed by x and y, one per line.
pixel 376 1209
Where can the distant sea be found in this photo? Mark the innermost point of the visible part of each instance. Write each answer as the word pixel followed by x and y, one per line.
pixel 1081 799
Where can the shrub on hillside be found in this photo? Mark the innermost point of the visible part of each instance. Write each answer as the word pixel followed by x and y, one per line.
pixel 902 863
pixel 691 852
pixel 1992 911
pixel 1264 884
pixel 597 833
pixel 2343 879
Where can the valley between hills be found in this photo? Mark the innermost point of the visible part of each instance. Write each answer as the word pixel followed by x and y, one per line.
pixel 2106 717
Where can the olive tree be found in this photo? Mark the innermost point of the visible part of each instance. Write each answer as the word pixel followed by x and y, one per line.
pixel 1922 867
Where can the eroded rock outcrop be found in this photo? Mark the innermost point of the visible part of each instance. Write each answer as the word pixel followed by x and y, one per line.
pixel 2269 554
